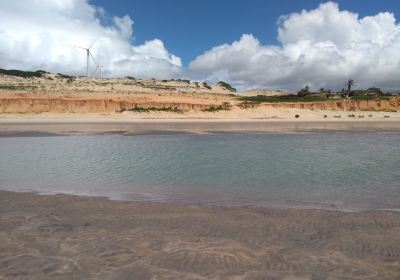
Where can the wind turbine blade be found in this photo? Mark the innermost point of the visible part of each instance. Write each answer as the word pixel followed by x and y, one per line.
pixel 93 58
pixel 91 45
pixel 78 47
pixel 94 72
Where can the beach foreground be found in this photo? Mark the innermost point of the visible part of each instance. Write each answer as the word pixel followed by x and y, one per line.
pixel 90 126
pixel 71 237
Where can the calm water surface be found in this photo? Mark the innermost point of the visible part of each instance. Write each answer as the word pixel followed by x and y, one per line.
pixel 344 170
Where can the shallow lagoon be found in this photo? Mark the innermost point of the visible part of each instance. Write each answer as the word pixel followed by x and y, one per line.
pixel 318 170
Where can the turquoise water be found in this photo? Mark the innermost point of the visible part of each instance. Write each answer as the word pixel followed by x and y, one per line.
pixel 344 170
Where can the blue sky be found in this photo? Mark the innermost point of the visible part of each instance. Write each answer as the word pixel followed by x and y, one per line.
pixel 321 44
pixel 189 27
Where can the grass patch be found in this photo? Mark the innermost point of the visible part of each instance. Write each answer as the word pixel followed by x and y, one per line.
pixel 137 109
pixel 160 87
pixel 363 97
pixel 295 98
pixel 283 98
pixel 224 107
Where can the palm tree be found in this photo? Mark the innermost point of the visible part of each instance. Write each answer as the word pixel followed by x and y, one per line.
pixel 323 92
pixel 349 84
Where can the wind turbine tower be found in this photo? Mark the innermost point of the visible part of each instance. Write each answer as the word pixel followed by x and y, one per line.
pixel 88 55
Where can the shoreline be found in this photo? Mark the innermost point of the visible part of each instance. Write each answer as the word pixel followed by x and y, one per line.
pixel 73 126
pixel 47 237
pixel 206 201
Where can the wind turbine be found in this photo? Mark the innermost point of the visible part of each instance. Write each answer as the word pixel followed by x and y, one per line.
pixel 100 67
pixel 88 55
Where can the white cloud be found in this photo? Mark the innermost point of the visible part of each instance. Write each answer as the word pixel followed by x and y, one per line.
pixel 38 34
pixel 321 47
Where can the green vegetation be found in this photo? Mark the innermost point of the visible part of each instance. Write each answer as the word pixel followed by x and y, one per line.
pixel 366 97
pixel 390 110
pixel 153 109
pixel 63 76
pixel 226 86
pixel 307 98
pixel 183 81
pixel 212 109
pixel 205 85
pixel 23 74
pixel 159 87
pixel 281 98
pixel 304 91
pixel 323 94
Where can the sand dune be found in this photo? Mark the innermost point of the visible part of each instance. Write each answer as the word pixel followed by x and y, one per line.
pixel 56 94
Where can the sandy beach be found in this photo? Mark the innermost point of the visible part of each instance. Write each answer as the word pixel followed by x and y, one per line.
pixel 88 125
pixel 70 237
pixel 73 237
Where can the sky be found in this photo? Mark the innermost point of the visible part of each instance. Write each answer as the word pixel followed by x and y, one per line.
pixel 188 28
pixel 284 44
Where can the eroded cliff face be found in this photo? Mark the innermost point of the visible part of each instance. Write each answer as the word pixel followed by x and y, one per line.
pixel 340 105
pixel 34 104
pixel 50 103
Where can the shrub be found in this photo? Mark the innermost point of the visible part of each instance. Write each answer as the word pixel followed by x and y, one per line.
pixel 225 106
pixel 63 76
pixel 23 74
pixel 226 86
pixel 152 109
pixel 184 81
pixel 304 91
pixel 281 98
pixel 205 85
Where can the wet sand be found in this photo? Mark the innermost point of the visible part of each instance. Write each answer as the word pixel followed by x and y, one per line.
pixel 47 127
pixel 71 237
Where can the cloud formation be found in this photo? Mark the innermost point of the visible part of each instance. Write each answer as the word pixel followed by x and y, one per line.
pixel 39 34
pixel 321 48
